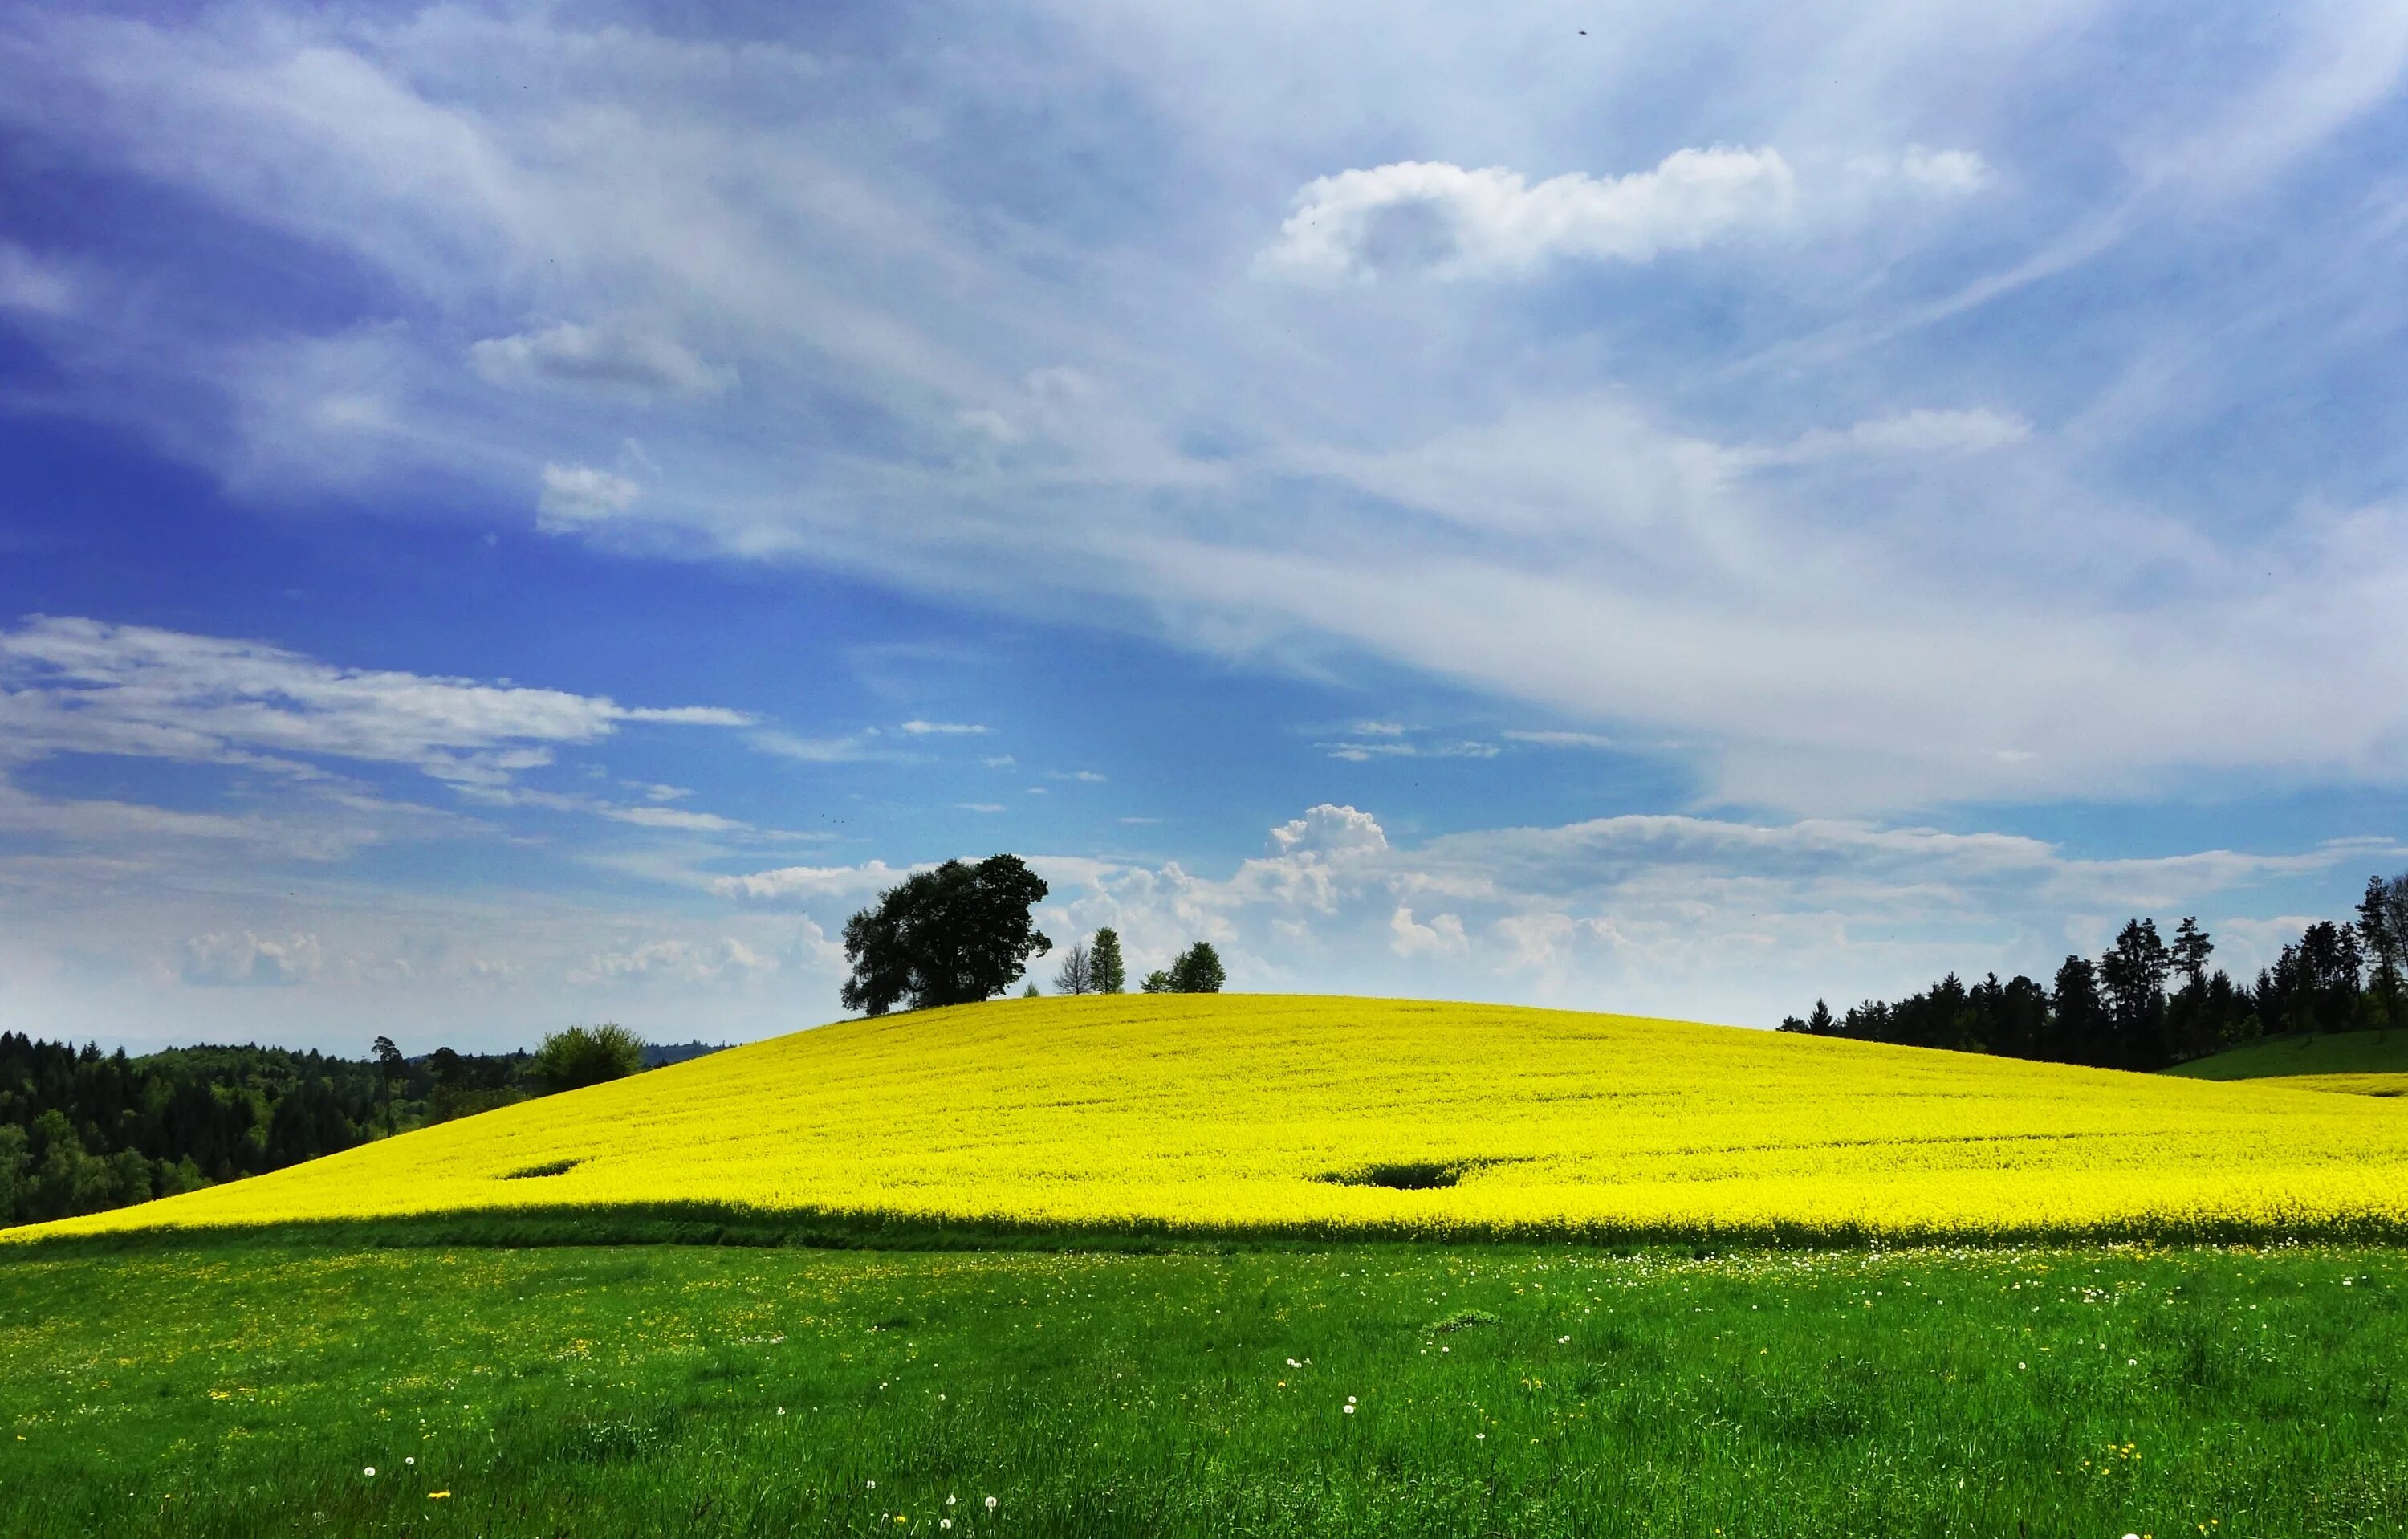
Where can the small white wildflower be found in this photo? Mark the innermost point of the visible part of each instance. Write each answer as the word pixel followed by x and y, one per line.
pixel 990 1503
pixel 409 1458
pixel 1561 1341
pixel 369 1471
pixel 1348 1407
pixel 949 1500
pixel 873 1485
pixel 781 1410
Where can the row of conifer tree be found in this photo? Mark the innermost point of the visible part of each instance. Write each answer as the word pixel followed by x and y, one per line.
pixel 2149 1002
pixel 1096 967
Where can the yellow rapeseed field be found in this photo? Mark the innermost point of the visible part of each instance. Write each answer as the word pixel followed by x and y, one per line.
pixel 1263 1114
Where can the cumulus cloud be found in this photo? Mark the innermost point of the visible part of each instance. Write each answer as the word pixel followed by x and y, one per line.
pixel 1679 914
pixel 1958 173
pixel 575 496
pixel 1330 829
pixel 674 962
pixel 246 960
pixel 612 354
pixel 1443 936
pixel 1450 223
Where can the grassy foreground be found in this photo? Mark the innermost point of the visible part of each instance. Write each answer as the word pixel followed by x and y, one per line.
pixel 1354 1118
pixel 225 1387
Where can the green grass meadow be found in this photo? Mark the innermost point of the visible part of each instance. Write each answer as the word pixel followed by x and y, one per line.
pixel 2328 1053
pixel 229 1386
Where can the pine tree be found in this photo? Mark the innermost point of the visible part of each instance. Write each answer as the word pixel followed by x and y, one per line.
pixel 1106 973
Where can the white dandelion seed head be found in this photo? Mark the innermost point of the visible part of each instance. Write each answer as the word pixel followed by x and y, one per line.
pixel 369 1471
pixel 873 1485
pixel 990 1503
pixel 409 1458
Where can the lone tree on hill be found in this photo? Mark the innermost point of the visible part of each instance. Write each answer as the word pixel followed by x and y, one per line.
pixel 1106 972
pixel 588 1054
pixel 1078 971
pixel 1198 971
pixel 956 935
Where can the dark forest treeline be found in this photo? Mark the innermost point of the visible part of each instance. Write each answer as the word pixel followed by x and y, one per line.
pixel 81 1130
pixel 2150 1002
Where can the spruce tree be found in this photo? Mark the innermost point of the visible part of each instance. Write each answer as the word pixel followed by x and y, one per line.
pixel 1106 972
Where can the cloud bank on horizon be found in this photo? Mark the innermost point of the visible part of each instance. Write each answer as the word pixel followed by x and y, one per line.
pixel 1704 507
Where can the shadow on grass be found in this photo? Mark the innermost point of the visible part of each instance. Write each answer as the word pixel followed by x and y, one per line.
pixel 704 1223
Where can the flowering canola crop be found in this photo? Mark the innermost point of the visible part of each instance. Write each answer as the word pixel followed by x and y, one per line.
pixel 1262 1115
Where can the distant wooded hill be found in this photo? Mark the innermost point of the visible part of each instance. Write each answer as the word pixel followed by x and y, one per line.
pixel 81 1130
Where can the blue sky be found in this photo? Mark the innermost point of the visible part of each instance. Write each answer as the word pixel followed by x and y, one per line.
pixel 513 515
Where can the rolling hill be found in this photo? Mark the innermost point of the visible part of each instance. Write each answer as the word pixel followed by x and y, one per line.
pixel 2356 1063
pixel 1309 1116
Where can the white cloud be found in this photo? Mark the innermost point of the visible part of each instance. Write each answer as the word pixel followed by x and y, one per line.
pixel 1443 936
pixel 673 817
pixel 1360 751
pixel 28 283
pixel 2032 623
pixel 674 962
pixel 1918 168
pixel 1083 777
pixel 979 806
pixel 576 496
pixel 1920 431
pixel 999 761
pixel 850 748
pixel 1957 172
pixel 1551 739
pixel 79 685
pixel 1330 829
pixel 1447 222
pixel 1700 917
pixel 615 355
pixel 248 960
pixel 944 729
pixel 811 881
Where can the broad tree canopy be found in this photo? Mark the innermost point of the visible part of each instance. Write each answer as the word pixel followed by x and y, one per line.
pixel 954 935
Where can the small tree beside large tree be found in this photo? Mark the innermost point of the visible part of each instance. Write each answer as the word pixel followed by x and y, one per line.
pixel 954 935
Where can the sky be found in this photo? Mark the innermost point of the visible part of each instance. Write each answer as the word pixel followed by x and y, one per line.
pixel 514 515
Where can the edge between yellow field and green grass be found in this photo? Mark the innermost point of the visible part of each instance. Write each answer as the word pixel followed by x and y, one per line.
pixel 1318 1117
pixel 2354 1063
